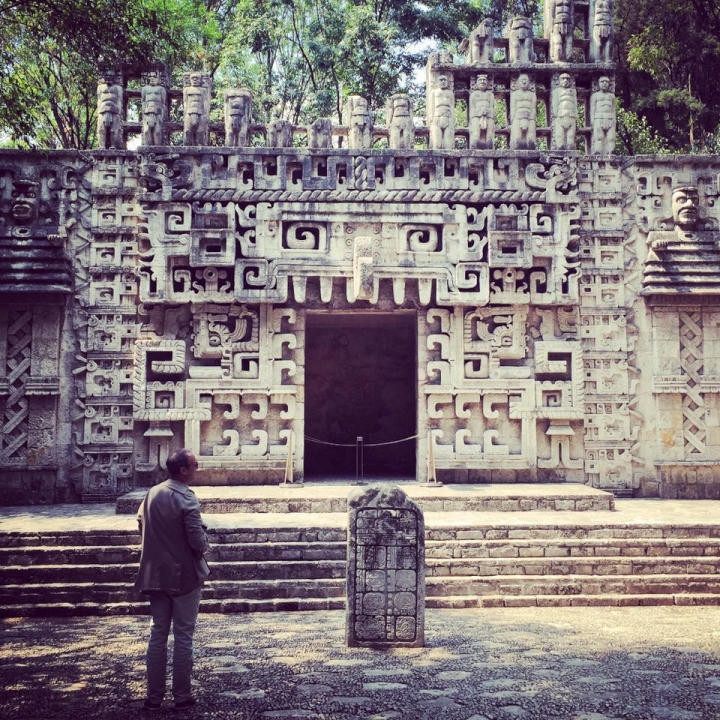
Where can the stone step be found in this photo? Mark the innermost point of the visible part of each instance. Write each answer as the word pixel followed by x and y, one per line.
pixel 142 608
pixel 338 603
pixel 93 538
pixel 70 609
pixel 273 605
pixel 497 601
pixel 435 549
pixel 531 531
pixel 250 570
pixel 240 534
pixel 270 552
pixel 578 566
pixel 435 567
pixel 69 555
pixel 553 547
pixel 571 584
pixel 214 590
pixel 279 534
pixel 332 498
pixel 506 585
pixel 117 555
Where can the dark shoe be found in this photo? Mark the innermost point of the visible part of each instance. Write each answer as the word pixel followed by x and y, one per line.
pixel 151 705
pixel 185 704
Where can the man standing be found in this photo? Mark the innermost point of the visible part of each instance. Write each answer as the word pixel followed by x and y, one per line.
pixel 172 571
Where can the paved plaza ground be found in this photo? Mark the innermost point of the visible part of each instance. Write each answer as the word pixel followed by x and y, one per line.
pixel 635 663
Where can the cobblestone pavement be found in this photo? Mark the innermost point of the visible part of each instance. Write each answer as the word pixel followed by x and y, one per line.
pixel 635 663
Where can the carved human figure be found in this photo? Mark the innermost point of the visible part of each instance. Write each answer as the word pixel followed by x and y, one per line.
pixel 685 205
pixel 359 123
pixel 196 107
pixel 154 107
pixel 520 43
pixel 320 133
pixel 602 31
pixel 109 112
pixel 563 111
pixel 400 122
pixel 279 133
pixel 24 203
pixel 238 117
pixel 561 31
pixel 480 43
pixel 523 122
pixel 481 112
pixel 442 115
pixel 602 117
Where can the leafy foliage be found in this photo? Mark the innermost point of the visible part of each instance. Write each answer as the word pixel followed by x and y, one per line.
pixel 302 58
pixel 668 57
pixel 636 137
pixel 50 53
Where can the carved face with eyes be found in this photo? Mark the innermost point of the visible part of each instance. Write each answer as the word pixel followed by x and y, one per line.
pixel 24 207
pixel 482 82
pixel 685 202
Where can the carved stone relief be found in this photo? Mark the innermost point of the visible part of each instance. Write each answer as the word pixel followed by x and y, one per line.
pixel 565 300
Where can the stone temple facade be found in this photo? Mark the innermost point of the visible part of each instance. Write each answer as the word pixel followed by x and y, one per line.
pixel 492 287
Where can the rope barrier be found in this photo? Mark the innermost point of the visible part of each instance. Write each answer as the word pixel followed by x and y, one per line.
pixel 389 442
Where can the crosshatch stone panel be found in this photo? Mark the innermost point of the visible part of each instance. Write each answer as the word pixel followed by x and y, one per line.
pixel 386 569
pixel 564 301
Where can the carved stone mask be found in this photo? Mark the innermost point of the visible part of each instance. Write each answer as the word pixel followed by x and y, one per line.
pixel 685 201
pixel 24 207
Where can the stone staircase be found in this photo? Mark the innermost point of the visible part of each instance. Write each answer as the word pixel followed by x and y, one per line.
pixel 581 565
pixel 278 566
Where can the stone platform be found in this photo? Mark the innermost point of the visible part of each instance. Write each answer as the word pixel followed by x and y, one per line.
pixel 328 497
pixel 82 559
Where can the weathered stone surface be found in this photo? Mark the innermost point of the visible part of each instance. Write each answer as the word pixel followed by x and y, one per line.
pixel 558 304
pixel 385 571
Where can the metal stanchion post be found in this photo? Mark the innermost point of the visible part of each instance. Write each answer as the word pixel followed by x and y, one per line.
pixel 359 469
pixel 431 472
pixel 289 480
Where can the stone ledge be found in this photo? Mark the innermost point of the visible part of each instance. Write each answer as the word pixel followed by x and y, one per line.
pixel 332 498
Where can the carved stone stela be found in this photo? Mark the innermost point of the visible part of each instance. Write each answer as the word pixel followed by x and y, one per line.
pixel 564 301
pixel 386 569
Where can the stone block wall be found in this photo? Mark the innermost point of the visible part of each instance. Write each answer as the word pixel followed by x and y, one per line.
pixel 547 345
pixel 562 302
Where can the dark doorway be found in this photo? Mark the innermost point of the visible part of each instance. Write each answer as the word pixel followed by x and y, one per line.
pixel 360 381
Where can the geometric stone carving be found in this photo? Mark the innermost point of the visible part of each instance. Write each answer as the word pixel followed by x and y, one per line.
pixel 16 374
pixel 564 304
pixel 386 569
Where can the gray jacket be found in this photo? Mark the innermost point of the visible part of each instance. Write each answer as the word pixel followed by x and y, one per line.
pixel 173 540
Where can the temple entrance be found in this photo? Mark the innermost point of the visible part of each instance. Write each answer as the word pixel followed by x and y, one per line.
pixel 360 381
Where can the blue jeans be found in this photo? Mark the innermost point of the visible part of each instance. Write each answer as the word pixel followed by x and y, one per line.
pixel 182 612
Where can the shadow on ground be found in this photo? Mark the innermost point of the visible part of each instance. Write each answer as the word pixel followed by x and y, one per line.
pixel 575 663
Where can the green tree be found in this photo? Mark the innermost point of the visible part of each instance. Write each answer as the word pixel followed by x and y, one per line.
pixel 636 137
pixel 668 58
pixel 50 54
pixel 303 57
